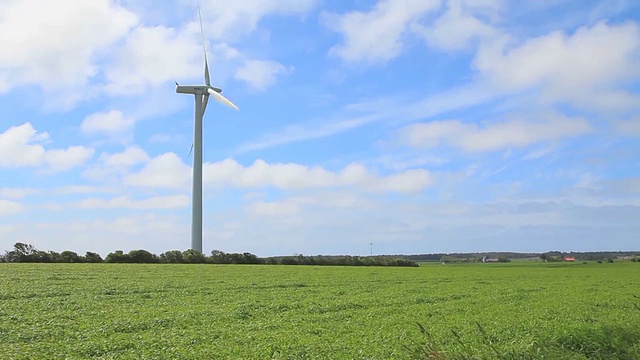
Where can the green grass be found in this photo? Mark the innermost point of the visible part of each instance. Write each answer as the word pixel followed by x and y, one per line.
pixel 468 311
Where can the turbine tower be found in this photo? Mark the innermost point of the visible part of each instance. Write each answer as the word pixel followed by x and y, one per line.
pixel 201 94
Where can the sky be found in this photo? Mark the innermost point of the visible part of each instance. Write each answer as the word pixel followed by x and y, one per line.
pixel 385 127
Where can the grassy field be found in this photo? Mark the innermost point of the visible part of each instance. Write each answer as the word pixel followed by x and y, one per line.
pixel 475 311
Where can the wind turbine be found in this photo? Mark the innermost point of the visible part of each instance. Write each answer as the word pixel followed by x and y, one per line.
pixel 201 94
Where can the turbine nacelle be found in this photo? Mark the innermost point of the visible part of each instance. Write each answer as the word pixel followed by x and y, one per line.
pixel 196 89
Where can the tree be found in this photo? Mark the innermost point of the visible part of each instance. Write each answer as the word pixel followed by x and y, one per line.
pixel 172 257
pixel 236 258
pixel 219 257
pixel 44 257
pixel 142 257
pixel 193 257
pixel 70 257
pixel 92 257
pixel 288 260
pixel 22 253
pixel 117 257
pixel 10 256
pixel 543 257
pixel 54 257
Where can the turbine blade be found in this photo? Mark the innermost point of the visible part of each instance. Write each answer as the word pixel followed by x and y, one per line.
pixel 190 151
pixel 205 101
pixel 221 98
pixel 207 80
pixel 206 71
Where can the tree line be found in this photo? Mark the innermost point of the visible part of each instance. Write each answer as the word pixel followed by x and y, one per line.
pixel 26 253
pixel 475 257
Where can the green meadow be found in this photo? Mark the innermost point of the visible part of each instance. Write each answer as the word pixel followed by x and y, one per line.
pixel 454 311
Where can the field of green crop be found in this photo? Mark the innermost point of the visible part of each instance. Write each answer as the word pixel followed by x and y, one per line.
pixel 476 311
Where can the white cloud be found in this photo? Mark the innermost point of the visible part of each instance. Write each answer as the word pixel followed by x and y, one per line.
pixel 10 207
pixel 112 123
pixel 493 136
pixel 290 176
pixel 132 155
pixel 376 35
pixel 123 202
pixel 116 164
pixel 457 27
pixel 163 171
pixel 52 44
pixel 260 74
pixel 164 138
pixel 298 208
pixel 168 171
pixel 628 127
pixel 19 147
pixel 77 189
pixel 152 56
pixel 556 67
pixel 274 208
pixel 297 133
pixel 18 193
pixel 61 160
pixel 408 181
pixel 242 17
pixel 586 68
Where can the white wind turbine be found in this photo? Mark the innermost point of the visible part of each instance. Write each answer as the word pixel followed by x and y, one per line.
pixel 201 94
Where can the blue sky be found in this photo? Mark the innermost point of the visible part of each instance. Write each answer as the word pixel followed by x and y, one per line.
pixel 419 126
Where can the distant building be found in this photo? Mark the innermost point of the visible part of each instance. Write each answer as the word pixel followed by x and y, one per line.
pixel 569 258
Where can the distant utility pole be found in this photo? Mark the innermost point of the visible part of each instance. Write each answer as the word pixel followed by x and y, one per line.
pixel 371 248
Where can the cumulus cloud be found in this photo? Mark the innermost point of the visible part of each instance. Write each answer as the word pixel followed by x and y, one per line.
pixel 78 189
pixel 234 21
pixel 123 202
pixel 112 123
pixel 298 133
pixel 458 26
pixel 116 164
pixel 132 155
pixel 260 74
pixel 163 171
pixel 493 136
pixel 22 146
pixel 168 171
pixel 408 181
pixel 152 56
pixel 628 127
pixel 52 44
pixel 291 176
pixel 18 193
pixel 586 67
pixel 8 207
pixel 376 36
pixel 61 160
pixel 274 208
pixel 111 51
